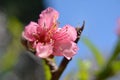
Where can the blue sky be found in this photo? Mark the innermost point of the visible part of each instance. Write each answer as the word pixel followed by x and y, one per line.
pixel 100 17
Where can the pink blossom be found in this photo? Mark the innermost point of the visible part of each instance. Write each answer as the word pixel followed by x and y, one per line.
pixel 118 27
pixel 47 39
pixel 48 18
pixel 64 42
pixel 30 31
pixel 44 50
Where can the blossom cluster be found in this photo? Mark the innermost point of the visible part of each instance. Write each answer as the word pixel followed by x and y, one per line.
pixel 47 38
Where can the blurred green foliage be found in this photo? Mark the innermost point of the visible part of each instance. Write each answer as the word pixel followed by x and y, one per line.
pixel 115 66
pixel 13 49
pixel 47 71
pixel 96 53
pixel 105 69
pixel 83 73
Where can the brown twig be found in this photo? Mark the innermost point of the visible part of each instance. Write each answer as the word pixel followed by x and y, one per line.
pixel 56 75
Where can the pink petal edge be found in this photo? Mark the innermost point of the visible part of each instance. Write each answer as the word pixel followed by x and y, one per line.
pixel 44 51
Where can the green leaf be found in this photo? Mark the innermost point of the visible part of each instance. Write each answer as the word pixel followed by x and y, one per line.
pixel 70 76
pixel 97 54
pixel 83 73
pixel 15 27
pixel 116 66
pixel 47 71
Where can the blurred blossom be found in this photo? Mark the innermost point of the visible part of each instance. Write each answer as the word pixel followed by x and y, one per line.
pixel 47 39
pixel 118 27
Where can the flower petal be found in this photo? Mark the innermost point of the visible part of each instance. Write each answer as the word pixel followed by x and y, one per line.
pixel 30 31
pixel 70 51
pixel 65 48
pixel 66 33
pixel 44 51
pixel 71 32
pixel 48 18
